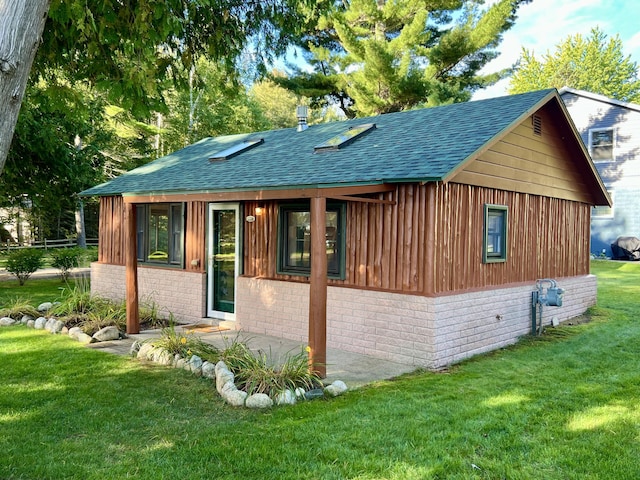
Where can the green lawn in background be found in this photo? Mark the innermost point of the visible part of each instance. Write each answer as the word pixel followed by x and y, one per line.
pixel 563 406
pixel 36 290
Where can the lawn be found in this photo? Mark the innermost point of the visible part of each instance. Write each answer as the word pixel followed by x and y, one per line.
pixel 564 406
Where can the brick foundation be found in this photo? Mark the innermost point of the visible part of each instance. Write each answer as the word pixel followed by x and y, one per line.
pixel 174 291
pixel 424 331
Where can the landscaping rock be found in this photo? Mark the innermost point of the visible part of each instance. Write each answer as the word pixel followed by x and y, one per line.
pixel 39 323
pixel 107 333
pixel 43 307
pixel 134 349
pixel 223 376
pixel 286 398
pixel 84 338
pixel 145 351
pixel 56 326
pixel 208 370
pixel 313 394
pixel 196 362
pixel 181 363
pixel 31 323
pixel 165 358
pixel 300 392
pixel 74 331
pixel 48 326
pixel 235 398
pixel 336 388
pixel 6 321
pixel 25 319
pixel 258 400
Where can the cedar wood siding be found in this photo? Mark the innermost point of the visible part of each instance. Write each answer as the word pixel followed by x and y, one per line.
pixel 112 238
pixel 389 247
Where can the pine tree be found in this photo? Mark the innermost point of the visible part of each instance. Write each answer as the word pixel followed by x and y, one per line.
pixel 593 63
pixel 377 56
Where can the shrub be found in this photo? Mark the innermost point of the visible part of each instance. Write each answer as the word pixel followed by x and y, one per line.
pixel 64 259
pixel 22 263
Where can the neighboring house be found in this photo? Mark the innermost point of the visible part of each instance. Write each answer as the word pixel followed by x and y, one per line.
pixel 431 229
pixel 611 131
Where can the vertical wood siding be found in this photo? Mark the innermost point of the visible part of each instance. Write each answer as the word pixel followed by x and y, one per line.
pixel 195 236
pixel 431 240
pixel 111 233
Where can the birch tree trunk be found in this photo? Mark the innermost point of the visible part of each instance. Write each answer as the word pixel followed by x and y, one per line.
pixel 21 26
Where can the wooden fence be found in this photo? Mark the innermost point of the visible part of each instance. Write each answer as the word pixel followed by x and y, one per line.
pixel 47 244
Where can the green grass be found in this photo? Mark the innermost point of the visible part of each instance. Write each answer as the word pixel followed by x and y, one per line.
pixel 564 406
pixel 36 290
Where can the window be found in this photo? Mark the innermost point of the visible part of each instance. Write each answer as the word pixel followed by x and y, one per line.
pixel 601 143
pixel 344 139
pixel 294 239
pixel 160 233
pixel 236 149
pixel 603 211
pixel 495 234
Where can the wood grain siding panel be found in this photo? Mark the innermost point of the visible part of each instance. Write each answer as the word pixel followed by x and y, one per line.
pixel 110 231
pixel 430 241
pixel 195 236
pixel 547 237
pixel 528 163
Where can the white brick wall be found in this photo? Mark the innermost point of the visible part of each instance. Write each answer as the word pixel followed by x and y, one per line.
pixel 423 331
pixel 174 291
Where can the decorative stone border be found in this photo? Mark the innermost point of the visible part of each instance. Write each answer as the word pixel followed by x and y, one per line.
pixel 224 379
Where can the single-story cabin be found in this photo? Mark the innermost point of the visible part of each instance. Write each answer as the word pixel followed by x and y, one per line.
pixel 416 237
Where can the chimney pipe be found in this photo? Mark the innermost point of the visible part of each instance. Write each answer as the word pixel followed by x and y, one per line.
pixel 302 113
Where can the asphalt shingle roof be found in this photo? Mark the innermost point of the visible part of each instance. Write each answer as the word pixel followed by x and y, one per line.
pixel 415 145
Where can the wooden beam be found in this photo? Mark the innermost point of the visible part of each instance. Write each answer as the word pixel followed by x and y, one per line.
pixel 318 289
pixel 351 198
pixel 131 262
pixel 256 195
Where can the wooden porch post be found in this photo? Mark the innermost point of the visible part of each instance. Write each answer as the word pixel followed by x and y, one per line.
pixel 131 262
pixel 318 289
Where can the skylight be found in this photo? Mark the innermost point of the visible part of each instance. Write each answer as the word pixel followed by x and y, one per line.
pixel 344 139
pixel 236 149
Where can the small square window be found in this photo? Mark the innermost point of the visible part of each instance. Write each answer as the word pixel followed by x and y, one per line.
pixel 160 233
pixel 601 143
pixel 495 234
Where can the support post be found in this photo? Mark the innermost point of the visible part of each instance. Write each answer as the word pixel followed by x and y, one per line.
pixel 131 262
pixel 318 289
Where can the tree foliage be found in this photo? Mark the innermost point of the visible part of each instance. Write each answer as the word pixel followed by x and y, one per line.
pixel 594 63
pixel 130 49
pixel 376 56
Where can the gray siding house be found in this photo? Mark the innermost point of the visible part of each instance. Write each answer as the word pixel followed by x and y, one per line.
pixel 611 131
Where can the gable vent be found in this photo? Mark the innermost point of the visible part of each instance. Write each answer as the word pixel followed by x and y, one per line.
pixel 537 124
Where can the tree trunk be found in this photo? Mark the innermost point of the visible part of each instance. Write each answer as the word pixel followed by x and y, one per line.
pixel 21 26
pixel 82 238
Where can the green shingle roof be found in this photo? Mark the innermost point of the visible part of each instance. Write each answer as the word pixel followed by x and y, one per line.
pixel 415 145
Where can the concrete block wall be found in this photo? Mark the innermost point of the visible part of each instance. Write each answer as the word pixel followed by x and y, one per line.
pixel 431 332
pixel 174 291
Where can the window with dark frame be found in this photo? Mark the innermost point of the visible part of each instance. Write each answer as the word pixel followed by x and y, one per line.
pixel 601 143
pixel 160 233
pixel 495 234
pixel 294 232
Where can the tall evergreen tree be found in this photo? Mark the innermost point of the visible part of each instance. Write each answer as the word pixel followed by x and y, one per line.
pixel 377 56
pixel 593 63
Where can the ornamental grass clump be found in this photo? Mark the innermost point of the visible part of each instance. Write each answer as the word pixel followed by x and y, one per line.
pixel 185 344
pixel 261 373
pixel 18 308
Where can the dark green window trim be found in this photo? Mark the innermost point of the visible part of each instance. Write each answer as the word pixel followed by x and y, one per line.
pixel 160 234
pixel 496 218
pixel 294 242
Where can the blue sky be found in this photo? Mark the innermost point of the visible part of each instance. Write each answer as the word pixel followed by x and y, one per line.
pixel 542 24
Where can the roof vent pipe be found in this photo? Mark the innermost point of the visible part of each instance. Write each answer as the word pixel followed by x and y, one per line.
pixel 302 112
